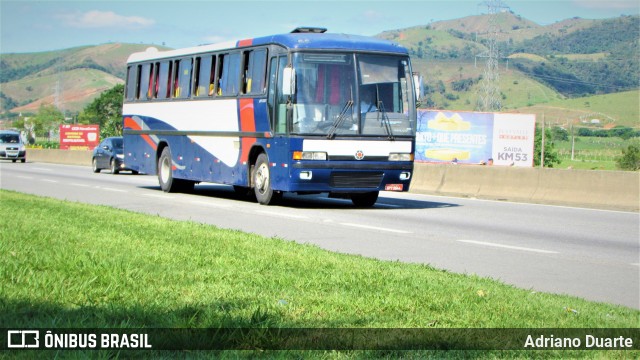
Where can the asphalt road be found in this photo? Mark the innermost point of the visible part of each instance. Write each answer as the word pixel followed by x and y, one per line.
pixel 588 253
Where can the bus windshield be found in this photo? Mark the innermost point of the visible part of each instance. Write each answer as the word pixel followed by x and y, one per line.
pixel 352 95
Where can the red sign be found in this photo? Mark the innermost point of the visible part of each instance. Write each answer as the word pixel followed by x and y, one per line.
pixel 79 137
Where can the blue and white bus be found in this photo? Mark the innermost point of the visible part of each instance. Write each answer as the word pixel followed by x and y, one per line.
pixel 305 112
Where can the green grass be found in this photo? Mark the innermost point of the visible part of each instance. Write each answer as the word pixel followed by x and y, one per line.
pixel 73 265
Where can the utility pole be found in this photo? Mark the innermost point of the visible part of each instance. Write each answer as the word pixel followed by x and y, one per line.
pixel 489 97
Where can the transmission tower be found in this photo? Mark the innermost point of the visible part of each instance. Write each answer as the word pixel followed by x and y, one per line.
pixel 489 97
pixel 58 96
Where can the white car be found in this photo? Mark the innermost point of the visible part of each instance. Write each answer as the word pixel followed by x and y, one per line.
pixel 12 147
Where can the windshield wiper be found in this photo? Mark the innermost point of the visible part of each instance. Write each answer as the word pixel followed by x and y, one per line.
pixel 385 120
pixel 343 115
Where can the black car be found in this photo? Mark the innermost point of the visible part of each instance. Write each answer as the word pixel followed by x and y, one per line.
pixel 110 155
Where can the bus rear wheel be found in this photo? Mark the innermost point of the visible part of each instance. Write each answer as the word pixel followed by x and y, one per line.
pixel 165 175
pixel 365 199
pixel 261 178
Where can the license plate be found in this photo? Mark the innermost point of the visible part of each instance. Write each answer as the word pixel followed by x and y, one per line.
pixel 393 187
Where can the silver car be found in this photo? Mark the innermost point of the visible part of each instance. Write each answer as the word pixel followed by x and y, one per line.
pixel 12 147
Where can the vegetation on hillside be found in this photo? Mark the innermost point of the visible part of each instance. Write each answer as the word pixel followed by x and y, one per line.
pixel 74 77
pixel 616 68
pixel 630 159
pixel 106 111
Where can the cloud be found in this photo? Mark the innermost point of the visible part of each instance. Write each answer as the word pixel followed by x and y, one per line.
pixel 105 19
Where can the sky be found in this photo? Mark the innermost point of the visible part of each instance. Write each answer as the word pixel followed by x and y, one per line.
pixel 34 26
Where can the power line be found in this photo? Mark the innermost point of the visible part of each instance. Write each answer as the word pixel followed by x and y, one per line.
pixel 489 99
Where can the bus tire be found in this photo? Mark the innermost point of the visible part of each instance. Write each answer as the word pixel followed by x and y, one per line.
pixel 365 199
pixel 166 180
pixel 261 179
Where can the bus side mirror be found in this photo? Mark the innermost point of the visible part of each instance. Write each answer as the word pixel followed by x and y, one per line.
pixel 288 81
pixel 417 82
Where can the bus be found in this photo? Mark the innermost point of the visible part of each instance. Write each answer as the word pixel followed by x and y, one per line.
pixel 305 112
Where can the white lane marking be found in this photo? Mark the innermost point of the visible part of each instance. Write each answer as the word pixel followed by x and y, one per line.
pixel 281 214
pixel 159 196
pixel 80 185
pixel 508 247
pixel 635 264
pixel 376 228
pixel 42 169
pixel 48 180
pixel 112 189
pixel 210 204
pixel 521 203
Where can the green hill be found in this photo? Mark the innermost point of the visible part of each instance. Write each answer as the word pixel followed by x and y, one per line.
pixel 76 76
pixel 555 69
pixel 575 57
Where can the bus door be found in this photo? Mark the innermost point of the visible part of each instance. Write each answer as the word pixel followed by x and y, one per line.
pixel 279 152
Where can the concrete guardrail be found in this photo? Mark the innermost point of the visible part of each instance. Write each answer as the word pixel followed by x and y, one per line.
pixel 619 190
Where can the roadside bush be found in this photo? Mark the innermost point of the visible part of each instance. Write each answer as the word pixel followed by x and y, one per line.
pixel 630 159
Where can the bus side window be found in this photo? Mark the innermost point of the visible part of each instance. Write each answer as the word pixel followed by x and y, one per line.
pixel 196 79
pixel 132 78
pixel 176 78
pixel 145 77
pixel 152 89
pixel 230 80
pixel 204 76
pixel 246 77
pixel 221 65
pixel 212 76
pixel 255 64
pixel 164 80
pixel 183 78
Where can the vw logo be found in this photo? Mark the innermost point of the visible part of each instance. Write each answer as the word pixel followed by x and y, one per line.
pixel 359 155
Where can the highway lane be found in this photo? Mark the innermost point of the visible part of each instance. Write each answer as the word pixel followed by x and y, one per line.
pixel 588 253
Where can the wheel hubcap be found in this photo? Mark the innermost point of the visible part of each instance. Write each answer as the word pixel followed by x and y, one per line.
pixel 165 170
pixel 262 178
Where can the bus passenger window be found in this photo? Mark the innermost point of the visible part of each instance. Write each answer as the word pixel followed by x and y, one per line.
pixel 246 77
pixel 204 76
pixel 153 81
pixel 183 79
pixel 176 77
pixel 230 80
pixel 145 77
pixel 132 79
pixel 257 71
pixel 221 65
pixel 164 77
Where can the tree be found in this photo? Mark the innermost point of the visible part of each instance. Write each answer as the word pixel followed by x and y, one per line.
pixel 106 111
pixel 550 154
pixel 47 119
pixel 630 159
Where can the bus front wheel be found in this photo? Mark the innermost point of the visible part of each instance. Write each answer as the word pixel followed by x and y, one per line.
pixel 365 199
pixel 261 178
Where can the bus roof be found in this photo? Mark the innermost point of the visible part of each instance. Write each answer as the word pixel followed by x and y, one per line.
pixel 294 40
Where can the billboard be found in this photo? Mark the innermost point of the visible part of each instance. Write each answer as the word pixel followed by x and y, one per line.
pixel 474 138
pixel 79 137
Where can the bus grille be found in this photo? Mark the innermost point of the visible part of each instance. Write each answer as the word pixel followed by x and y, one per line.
pixel 356 179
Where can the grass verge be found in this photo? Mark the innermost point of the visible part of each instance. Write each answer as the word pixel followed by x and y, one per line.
pixel 70 265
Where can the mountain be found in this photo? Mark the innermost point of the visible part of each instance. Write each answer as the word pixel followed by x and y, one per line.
pixel 539 66
pixel 71 78
pixel 574 57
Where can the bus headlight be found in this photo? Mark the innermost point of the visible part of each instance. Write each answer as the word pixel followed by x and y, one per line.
pixel 400 157
pixel 309 155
